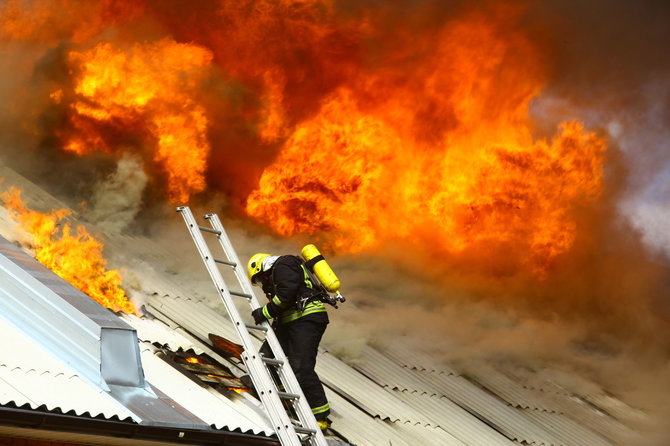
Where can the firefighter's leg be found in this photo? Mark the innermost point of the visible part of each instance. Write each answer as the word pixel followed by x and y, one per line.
pixel 303 342
pixel 265 350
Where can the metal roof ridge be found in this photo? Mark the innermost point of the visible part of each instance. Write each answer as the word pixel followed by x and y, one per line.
pixel 36 310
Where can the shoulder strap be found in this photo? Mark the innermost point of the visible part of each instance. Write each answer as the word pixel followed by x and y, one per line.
pixel 310 263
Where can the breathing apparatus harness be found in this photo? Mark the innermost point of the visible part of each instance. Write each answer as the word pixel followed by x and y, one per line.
pixel 322 277
pixel 320 280
pixel 319 291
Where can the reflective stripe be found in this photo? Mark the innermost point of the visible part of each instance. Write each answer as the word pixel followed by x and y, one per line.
pixel 312 307
pixel 308 283
pixel 321 409
pixel 278 302
pixel 266 313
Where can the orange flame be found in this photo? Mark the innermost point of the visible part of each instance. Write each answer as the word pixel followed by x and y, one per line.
pixel 368 168
pixel 50 21
pixel 375 132
pixel 77 258
pixel 150 88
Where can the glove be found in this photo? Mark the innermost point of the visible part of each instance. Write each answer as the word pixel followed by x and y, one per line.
pixel 258 316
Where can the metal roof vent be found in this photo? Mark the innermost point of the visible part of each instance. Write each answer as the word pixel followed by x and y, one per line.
pixel 99 346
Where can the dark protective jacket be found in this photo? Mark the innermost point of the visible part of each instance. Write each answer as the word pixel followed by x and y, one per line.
pixel 299 330
pixel 291 283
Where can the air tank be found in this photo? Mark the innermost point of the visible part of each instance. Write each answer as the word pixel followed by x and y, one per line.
pixel 321 269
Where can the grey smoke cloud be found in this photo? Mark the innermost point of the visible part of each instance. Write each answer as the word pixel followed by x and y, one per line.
pixel 117 200
pixel 609 68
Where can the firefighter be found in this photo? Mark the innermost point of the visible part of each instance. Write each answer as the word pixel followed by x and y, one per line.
pixel 300 319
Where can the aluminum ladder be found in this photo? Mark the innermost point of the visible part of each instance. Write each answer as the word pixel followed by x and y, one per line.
pixel 290 431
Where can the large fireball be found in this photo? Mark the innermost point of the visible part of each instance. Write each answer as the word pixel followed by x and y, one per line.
pixel 442 154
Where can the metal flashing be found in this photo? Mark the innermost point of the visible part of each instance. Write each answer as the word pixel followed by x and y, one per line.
pixel 91 339
pixel 117 348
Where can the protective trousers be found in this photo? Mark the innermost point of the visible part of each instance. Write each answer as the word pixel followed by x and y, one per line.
pixel 300 341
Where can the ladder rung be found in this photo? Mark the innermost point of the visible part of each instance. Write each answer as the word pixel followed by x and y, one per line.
pixel 206 229
pixel 237 293
pixel 256 327
pixel 225 262
pixel 282 403
pixel 304 430
pixel 288 396
pixel 272 361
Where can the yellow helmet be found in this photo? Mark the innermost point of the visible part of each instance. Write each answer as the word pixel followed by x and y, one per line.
pixel 255 264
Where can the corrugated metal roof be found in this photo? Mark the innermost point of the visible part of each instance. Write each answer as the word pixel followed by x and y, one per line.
pixel 473 411
pixel 419 389
pixel 54 359
pixel 531 378
pixel 194 320
pixel 454 419
pixel 615 407
pixel 358 415
pixel 154 330
pixel 377 365
pixel 31 375
pixel 56 392
pixel 504 418
pixel 193 315
pixel 365 393
pixel 566 431
pixel 382 369
pixel 212 407
pixel 576 403
pixel 412 357
pixel 361 429
pixel 361 394
pixel 513 392
pixel 427 435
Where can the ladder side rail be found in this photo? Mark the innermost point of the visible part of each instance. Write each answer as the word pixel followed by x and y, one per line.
pixel 285 372
pixel 247 287
pixel 252 359
pixel 230 252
